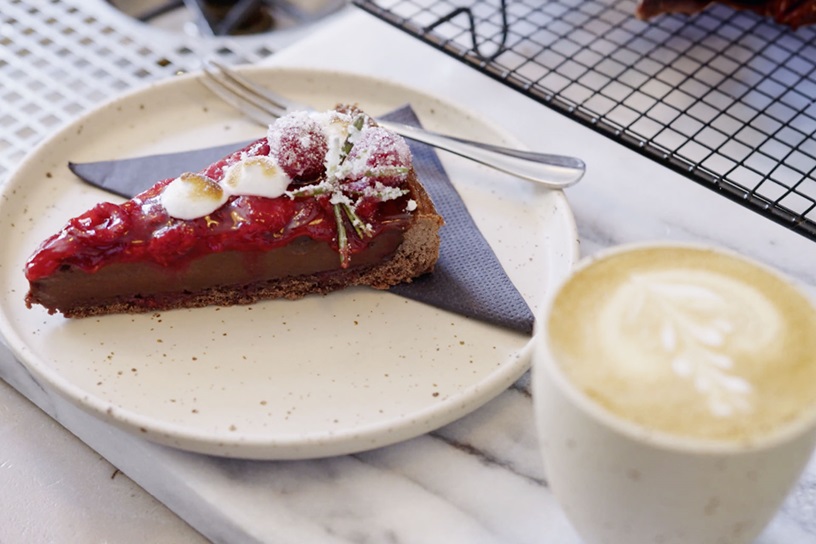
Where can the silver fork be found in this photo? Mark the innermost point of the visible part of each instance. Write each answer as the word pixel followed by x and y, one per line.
pixel 264 106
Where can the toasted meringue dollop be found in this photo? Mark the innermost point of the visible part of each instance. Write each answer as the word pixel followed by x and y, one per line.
pixel 191 196
pixel 257 176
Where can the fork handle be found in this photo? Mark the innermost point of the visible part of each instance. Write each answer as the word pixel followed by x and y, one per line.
pixel 552 171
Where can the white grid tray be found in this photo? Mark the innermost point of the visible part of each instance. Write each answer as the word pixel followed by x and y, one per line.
pixel 58 58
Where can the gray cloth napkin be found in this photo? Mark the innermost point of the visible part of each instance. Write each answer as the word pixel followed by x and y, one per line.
pixel 468 278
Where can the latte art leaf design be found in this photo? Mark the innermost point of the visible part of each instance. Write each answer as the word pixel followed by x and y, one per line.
pixel 692 333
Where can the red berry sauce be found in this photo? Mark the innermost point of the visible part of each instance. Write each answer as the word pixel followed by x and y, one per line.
pixel 141 230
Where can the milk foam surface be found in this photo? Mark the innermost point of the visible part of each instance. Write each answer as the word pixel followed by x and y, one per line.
pixel 689 342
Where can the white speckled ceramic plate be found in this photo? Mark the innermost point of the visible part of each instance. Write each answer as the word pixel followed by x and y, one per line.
pixel 278 380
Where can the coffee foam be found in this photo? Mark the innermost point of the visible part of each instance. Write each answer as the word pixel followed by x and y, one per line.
pixel 687 341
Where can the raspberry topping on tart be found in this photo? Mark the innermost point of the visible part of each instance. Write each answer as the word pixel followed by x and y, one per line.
pixel 334 178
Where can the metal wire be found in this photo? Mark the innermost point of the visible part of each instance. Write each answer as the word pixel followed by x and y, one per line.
pixel 474 34
pixel 727 98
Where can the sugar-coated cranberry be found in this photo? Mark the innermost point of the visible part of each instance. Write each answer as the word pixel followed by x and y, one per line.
pixel 298 143
pixel 357 186
pixel 380 155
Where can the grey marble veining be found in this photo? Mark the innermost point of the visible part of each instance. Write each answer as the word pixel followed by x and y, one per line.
pixel 479 479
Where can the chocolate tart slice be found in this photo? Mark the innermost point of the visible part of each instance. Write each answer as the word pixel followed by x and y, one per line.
pixel 325 201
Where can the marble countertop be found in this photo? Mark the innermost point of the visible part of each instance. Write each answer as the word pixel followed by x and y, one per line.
pixel 71 478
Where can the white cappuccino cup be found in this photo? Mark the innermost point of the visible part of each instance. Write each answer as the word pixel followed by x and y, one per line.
pixel 675 394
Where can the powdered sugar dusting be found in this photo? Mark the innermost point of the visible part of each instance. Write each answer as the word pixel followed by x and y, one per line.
pixel 380 155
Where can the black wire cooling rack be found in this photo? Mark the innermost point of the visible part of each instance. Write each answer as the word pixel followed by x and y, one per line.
pixel 725 97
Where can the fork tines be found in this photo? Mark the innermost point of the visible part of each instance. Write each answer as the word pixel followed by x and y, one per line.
pixel 257 103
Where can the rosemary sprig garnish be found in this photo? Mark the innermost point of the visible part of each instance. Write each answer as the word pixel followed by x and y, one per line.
pixel 383 194
pixel 341 196
pixel 386 171
pixel 358 123
pixel 342 238
pixel 343 206
pixel 314 189
pixel 362 228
